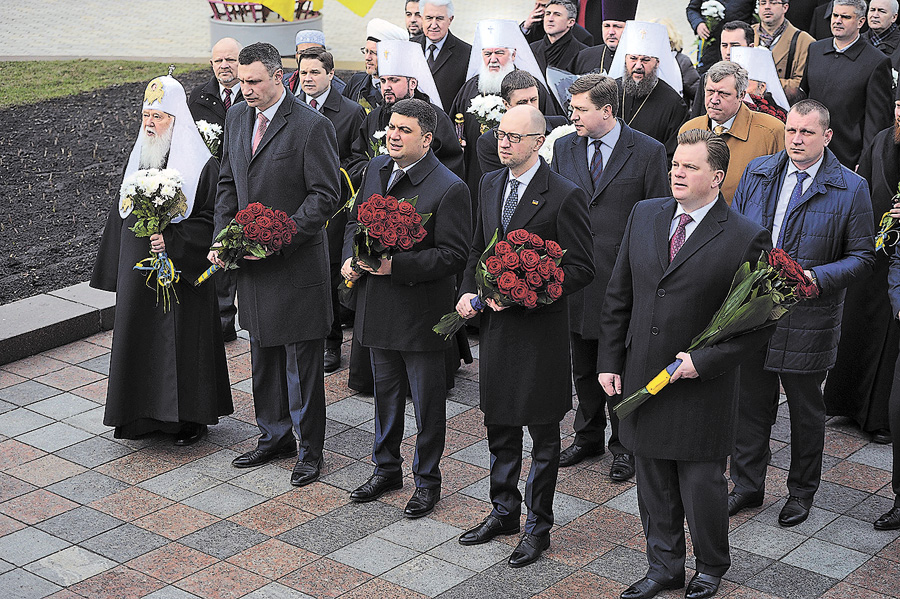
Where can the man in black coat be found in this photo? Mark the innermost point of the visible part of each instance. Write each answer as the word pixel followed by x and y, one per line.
pixel 209 103
pixel 533 26
pixel 364 87
pixel 597 59
pixel 446 54
pixel 852 79
pixel 674 270
pixel 883 33
pixel 525 373
pixel 399 302
pixel 735 10
pixel 280 152
pixel 558 48
pixel 631 167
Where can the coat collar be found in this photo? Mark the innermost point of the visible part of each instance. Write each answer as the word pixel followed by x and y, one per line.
pixel 529 204
pixel 830 173
pixel 333 101
pixel 740 128
pixel 706 230
pixel 415 175
pixel 852 52
pixel 275 125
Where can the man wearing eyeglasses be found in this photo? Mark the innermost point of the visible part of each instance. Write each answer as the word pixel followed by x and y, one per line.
pixel 365 87
pixel 789 45
pixel 525 372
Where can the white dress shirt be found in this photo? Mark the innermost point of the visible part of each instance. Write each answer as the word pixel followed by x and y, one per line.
pixel 784 196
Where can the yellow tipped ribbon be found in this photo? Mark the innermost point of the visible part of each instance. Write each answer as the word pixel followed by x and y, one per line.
pixel 162 267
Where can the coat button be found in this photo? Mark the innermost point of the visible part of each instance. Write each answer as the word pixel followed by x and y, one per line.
pixel 593 204
pixel 661 292
pixel 654 330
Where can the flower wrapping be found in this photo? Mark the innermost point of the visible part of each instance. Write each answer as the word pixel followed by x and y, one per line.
pixel 211 134
pixel 713 13
pixel 546 150
pixel 888 232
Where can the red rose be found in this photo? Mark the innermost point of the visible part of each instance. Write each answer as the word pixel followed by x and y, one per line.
pixel 536 241
pixel 265 236
pixel 292 226
pixel 393 218
pixel 530 259
pixel 281 216
pixel 243 217
pixel 519 292
pixel 533 279
pixel 404 242
pixel 286 238
pixel 545 268
pixel 416 217
pixel 390 203
pixel 251 232
pixel 530 300
pixel 510 260
pixel 409 219
pixel 506 281
pixel 378 201
pixel 389 237
pixel 553 249
pixel 518 237
pixel 276 244
pixel 493 265
pixel 501 248
pixel 554 291
pixel 406 208
pixel 380 214
pixel 264 222
pixel 558 275
pixel 376 229
pixel 420 234
pixel 807 290
pixel 256 209
pixel 365 216
pixel 269 213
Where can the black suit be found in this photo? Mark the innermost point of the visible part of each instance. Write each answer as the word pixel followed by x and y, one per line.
pixel 536 33
pixel 395 313
pixel 636 171
pixel 525 371
pixel 286 297
pixel 594 59
pixel 362 88
pixel 681 438
pixel 450 66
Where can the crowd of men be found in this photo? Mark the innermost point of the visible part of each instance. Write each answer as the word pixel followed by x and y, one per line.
pixel 668 178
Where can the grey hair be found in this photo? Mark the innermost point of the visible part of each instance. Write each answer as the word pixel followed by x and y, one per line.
pixel 447 3
pixel 895 6
pixel 724 68
pixel 571 7
pixel 858 5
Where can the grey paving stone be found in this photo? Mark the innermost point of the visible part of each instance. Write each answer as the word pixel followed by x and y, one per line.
pixel 502 581
pixel 20 421
pixel 27 392
pixel 54 437
pixel 349 477
pixel 745 565
pixel 29 544
pixel 19 584
pixel 817 520
pixel 321 536
pixel 5 566
pixel 474 557
pixel 856 534
pixel 366 517
pixel 352 442
pixel 90 421
pixel 373 555
pixel 476 454
pixel 625 502
pixel 216 465
pixel 621 564
pixel 784 580
pixel 872 508
pixel 5 406
pixel 178 487
pixel 70 566
pixel 224 500
pixel 465 392
pixel 79 524
pixel 275 590
pixel 875 455
pixel 333 427
pixel 825 558
pixel 62 406
pixel 124 543
pixel 246 386
pixel 421 534
pixel 99 364
pixel 428 575
pixel 350 410
pixel 94 451
pixel 223 539
pixel 566 508
pixel 170 592
pixel 87 487
pixel 455 408
pixel 838 498
pixel 769 541
pixel 230 431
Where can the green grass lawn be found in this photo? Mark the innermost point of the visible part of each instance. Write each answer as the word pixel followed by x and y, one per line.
pixel 28 82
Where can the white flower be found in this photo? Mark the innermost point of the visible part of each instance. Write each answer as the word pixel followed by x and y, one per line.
pixel 713 9
pixel 157 201
pixel 894 75
pixel 379 134
pixel 168 191
pixel 546 150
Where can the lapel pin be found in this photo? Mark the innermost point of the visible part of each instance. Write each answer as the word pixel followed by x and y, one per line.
pixel 535 202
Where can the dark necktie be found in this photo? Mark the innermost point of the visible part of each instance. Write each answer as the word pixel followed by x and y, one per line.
pixel 431 50
pixel 314 104
pixel 596 163
pixel 227 100
pixel 512 200
pixel 395 177
pixel 795 199
pixel 680 234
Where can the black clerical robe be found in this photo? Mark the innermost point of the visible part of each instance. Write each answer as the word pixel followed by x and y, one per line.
pixel 594 60
pixel 659 114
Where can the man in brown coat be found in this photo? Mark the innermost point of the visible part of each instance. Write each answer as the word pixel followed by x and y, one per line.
pixel 787 43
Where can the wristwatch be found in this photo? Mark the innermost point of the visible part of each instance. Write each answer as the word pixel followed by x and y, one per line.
pixel 815 279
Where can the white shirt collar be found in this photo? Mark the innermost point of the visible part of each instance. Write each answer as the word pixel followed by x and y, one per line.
pixel 235 90
pixel 406 170
pixel 697 215
pixel 440 45
pixel 727 124
pixel 845 48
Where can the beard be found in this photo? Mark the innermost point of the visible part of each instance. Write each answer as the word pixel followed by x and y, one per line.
pixel 643 87
pixel 489 82
pixel 155 148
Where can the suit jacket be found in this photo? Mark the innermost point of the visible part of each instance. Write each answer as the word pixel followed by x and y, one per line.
pixel 752 134
pixel 653 309
pixel 525 375
pixel 790 77
pixel 855 86
pixel 206 104
pixel 397 311
pixel 361 89
pixel 286 297
pixel 637 170
pixel 450 66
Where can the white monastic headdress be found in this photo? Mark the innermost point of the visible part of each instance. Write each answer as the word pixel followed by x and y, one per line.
pixel 648 39
pixel 761 67
pixel 381 30
pixel 502 33
pixel 188 153
pixel 407 59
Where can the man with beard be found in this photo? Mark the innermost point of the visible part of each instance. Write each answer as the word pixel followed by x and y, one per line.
pixel 598 59
pixel 789 45
pixel 413 18
pixel 749 134
pixel 647 76
pixel 533 26
pixel 167 371
pixel 365 88
pixel 447 55
pixel 558 48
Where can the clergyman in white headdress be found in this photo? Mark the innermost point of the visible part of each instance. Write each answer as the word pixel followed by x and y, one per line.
pixel 764 87
pixel 167 369
pixel 648 77
pixel 365 87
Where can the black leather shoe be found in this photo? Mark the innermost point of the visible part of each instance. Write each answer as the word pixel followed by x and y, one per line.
pixel 889 521
pixel 332 359
pixel 190 433
pixel 306 472
pixel 646 588
pixel 422 503
pixel 492 527
pixel 702 586
pixel 622 467
pixel 258 457
pixel 375 487
pixel 795 511
pixel 574 454
pixel 882 436
pixel 739 501
pixel 528 550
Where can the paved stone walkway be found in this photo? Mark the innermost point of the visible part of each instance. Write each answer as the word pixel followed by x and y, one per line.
pixel 86 515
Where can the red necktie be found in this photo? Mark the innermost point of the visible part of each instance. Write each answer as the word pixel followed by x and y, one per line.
pixel 260 130
pixel 227 98
pixel 314 104
pixel 678 238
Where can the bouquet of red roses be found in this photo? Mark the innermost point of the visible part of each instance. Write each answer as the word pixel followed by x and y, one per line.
pixel 522 270
pixel 757 297
pixel 254 231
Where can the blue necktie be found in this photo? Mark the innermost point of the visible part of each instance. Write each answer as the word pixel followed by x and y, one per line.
pixel 509 206
pixel 795 199
pixel 596 163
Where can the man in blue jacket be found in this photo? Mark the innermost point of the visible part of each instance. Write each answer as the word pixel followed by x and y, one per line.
pixel 820 213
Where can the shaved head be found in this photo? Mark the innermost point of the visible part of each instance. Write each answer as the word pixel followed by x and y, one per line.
pixel 526 124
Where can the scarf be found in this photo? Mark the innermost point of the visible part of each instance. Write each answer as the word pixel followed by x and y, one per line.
pixel 767 39
pixel 555 51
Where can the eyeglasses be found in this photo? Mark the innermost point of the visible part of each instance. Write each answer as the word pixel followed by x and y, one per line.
pixel 367 52
pixel 514 138
pixel 769 2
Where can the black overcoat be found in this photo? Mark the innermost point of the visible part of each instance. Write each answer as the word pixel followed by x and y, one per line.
pixel 361 87
pixel 205 104
pixel 450 66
